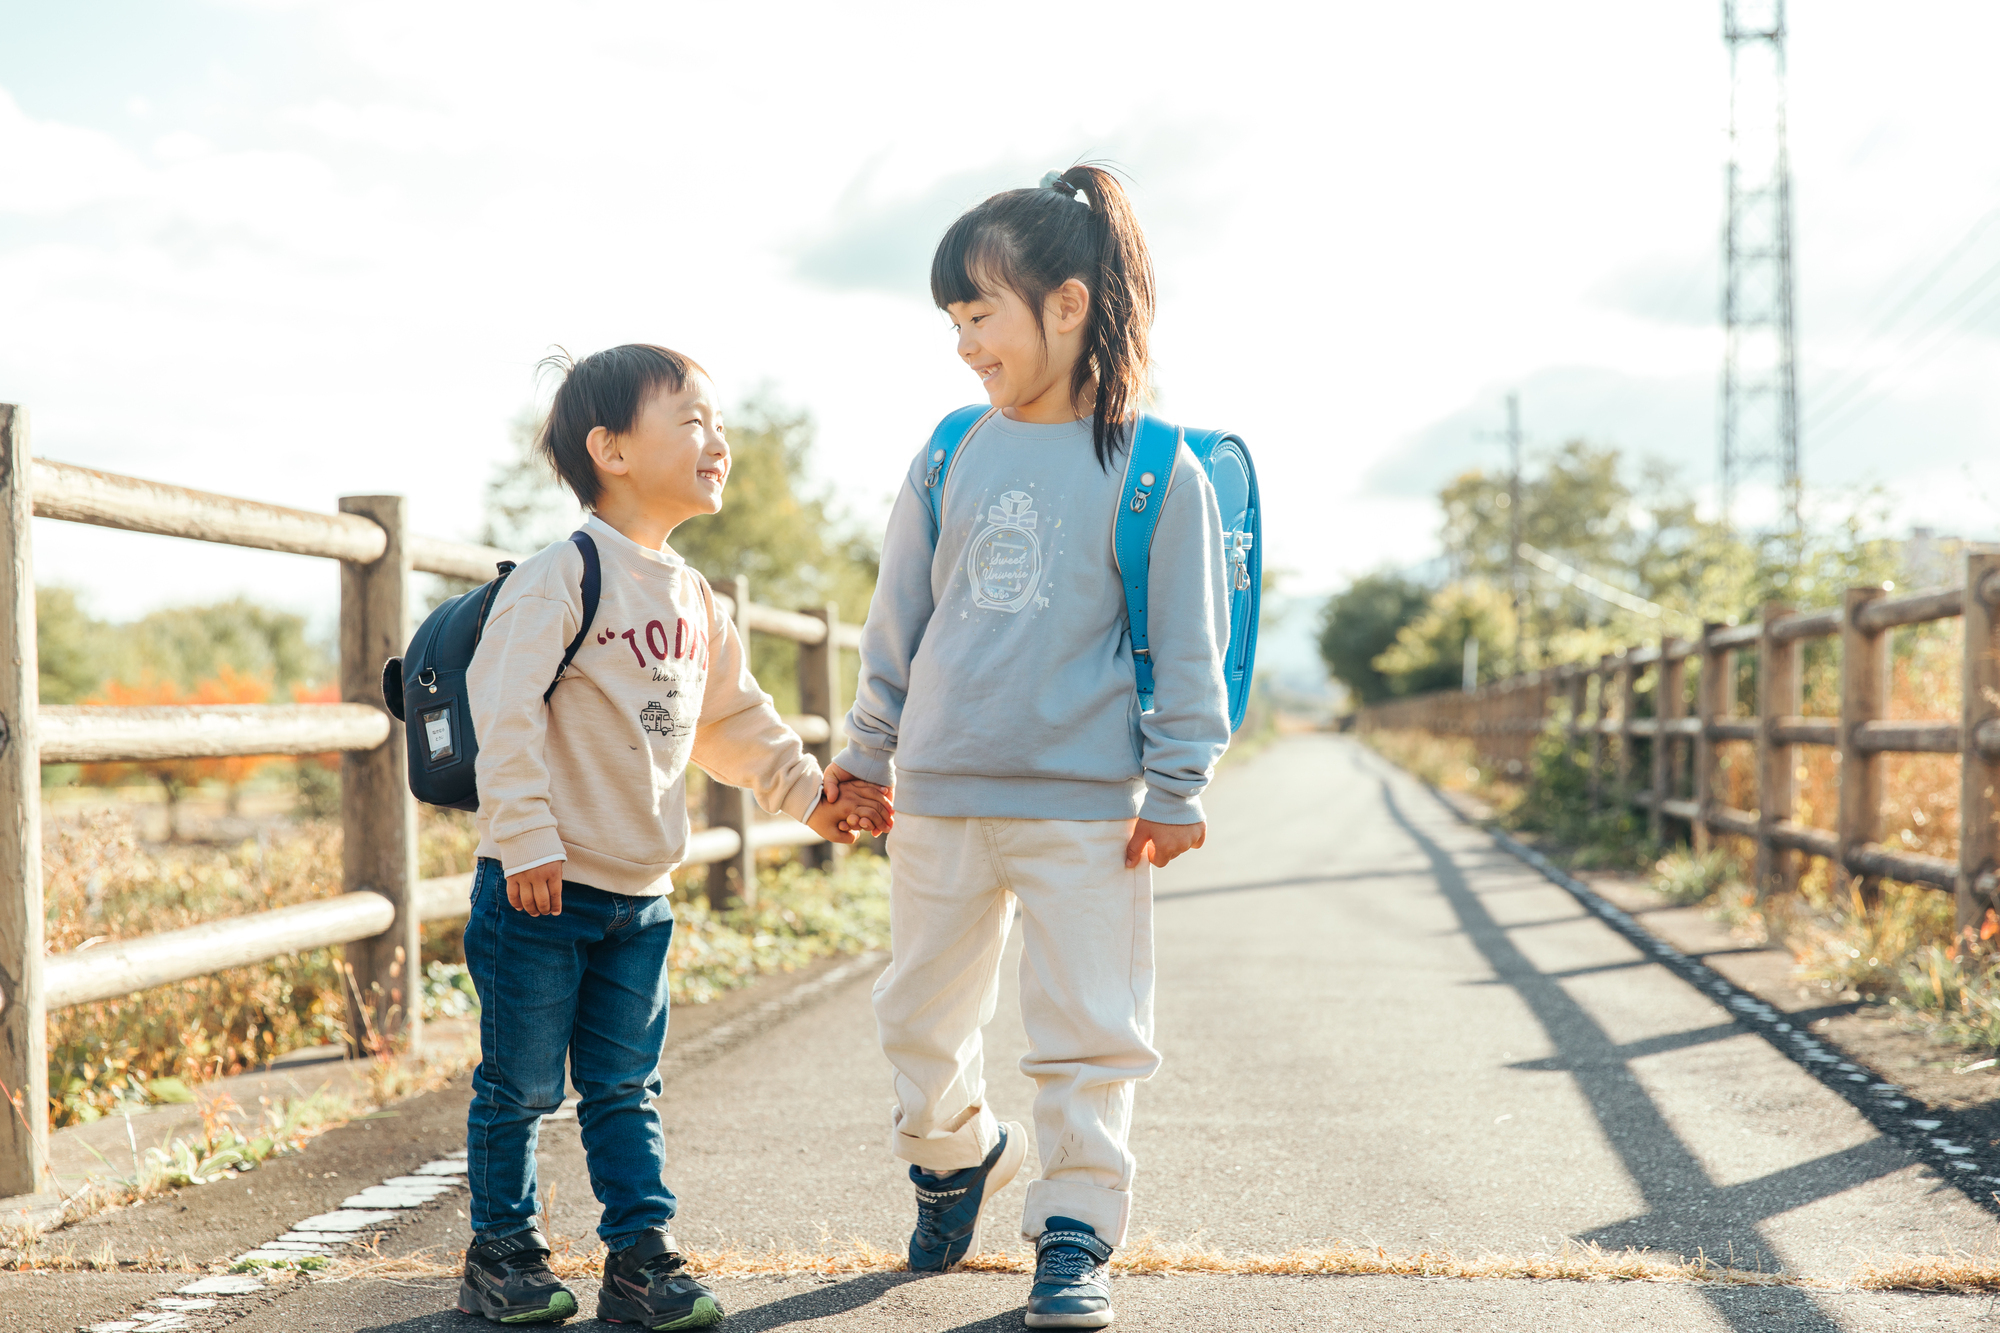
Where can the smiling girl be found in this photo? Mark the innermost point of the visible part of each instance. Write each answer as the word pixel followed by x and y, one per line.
pixel 998 695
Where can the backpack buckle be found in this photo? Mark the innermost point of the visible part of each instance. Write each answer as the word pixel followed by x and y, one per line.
pixel 1236 548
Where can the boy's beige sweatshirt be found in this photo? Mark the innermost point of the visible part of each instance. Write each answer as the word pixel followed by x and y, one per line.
pixel 597 777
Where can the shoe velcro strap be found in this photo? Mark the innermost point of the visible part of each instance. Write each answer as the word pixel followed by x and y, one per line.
pixel 1082 1240
pixel 651 1245
pixel 521 1242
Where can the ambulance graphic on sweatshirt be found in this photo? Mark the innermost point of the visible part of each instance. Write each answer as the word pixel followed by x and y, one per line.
pixel 1004 562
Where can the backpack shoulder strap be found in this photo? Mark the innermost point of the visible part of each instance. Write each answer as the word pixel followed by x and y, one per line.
pixel 1149 470
pixel 943 448
pixel 593 585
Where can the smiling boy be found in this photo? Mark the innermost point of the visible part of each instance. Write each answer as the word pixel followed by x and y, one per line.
pixel 583 814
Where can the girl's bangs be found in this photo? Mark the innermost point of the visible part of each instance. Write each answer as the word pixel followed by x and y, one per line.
pixel 968 253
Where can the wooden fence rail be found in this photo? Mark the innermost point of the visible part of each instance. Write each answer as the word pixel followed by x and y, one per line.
pixel 1683 769
pixel 377 918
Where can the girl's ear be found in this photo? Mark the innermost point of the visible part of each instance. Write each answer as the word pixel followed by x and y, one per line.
pixel 606 452
pixel 1069 306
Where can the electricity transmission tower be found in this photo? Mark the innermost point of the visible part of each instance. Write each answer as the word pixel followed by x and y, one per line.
pixel 1760 395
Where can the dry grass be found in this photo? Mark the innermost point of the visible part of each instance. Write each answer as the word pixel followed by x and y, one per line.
pixel 232 1142
pixel 104 882
pixel 1952 1272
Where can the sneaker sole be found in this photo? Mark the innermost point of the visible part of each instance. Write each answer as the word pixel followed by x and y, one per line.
pixel 999 1178
pixel 560 1307
pixel 707 1313
pixel 1098 1320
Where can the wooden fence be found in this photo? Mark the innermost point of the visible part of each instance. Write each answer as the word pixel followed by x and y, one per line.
pixel 384 903
pixel 1675 745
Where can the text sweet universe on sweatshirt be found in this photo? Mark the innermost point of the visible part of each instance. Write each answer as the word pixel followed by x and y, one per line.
pixel 597 777
pixel 996 664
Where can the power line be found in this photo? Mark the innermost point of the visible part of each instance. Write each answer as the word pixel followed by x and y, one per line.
pixel 1591 586
pixel 1972 292
pixel 1841 420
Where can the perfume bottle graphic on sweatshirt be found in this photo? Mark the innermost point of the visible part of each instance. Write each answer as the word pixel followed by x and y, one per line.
pixel 1004 563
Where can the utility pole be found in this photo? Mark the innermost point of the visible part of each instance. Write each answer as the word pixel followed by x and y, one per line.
pixel 1515 582
pixel 1760 397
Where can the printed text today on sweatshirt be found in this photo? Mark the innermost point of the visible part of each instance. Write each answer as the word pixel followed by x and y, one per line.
pixel 996 663
pixel 597 777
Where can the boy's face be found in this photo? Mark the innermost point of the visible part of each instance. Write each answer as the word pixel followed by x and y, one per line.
pixel 674 460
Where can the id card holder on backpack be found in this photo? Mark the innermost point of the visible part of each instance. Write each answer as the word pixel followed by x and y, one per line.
pixel 425 688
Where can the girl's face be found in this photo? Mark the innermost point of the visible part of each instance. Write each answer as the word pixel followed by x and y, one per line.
pixel 1024 362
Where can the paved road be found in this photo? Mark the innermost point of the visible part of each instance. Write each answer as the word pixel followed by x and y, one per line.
pixel 1378 1029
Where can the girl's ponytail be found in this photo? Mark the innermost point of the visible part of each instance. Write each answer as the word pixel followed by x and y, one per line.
pixel 1078 224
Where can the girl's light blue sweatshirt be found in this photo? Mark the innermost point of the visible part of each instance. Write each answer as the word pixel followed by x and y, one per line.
pixel 996 664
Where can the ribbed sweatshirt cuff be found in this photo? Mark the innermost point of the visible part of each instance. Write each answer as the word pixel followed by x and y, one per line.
pixel 1166 807
pixel 876 766
pixel 536 847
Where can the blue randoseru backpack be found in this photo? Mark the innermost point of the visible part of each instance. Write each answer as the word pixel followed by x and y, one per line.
pixel 428 684
pixel 1226 460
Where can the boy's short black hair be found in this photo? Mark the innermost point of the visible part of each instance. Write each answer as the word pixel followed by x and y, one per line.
pixel 604 389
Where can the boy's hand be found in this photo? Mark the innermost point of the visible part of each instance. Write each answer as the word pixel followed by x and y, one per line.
pixel 1166 841
pixel 537 890
pixel 861 808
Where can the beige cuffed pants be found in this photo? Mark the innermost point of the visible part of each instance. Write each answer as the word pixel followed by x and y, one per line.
pixel 1086 999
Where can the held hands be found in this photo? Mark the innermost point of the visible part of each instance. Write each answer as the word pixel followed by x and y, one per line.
pixel 1163 841
pixel 851 806
pixel 537 890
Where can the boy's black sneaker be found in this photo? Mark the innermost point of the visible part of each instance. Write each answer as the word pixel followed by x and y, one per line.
pixel 508 1281
pixel 951 1210
pixel 1072 1278
pixel 647 1283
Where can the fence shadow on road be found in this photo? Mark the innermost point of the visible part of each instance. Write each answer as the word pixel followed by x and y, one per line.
pixel 1688 1214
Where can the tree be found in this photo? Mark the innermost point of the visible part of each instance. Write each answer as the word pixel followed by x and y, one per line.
pixel 73 654
pixel 1429 652
pixel 189 645
pixel 1360 624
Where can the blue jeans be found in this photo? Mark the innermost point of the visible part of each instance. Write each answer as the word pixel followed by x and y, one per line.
pixel 590 984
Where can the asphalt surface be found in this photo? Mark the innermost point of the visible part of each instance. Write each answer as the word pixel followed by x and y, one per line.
pixel 1379 1028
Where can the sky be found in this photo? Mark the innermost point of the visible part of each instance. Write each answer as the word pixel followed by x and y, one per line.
pixel 293 251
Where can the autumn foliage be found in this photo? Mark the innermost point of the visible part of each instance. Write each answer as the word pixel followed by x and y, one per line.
pixel 179 776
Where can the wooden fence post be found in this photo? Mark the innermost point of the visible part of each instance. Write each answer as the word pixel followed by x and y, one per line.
pixel 1978 802
pixel 819 692
pixel 1864 697
pixel 733 879
pixel 378 815
pixel 1668 708
pixel 1711 706
pixel 24 1056
pixel 1777 782
pixel 1603 676
pixel 1576 684
pixel 1628 742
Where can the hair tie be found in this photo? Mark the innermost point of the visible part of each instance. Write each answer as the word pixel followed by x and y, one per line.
pixel 1053 181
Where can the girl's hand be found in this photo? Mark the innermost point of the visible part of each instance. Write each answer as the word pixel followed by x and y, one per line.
pixel 537 890
pixel 834 775
pixel 1163 841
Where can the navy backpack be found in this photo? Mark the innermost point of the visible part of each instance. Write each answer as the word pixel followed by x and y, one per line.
pixel 428 684
pixel 1148 465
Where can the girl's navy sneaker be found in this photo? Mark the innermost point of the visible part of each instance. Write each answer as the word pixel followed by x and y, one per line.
pixel 951 1210
pixel 647 1283
pixel 1072 1278
pixel 508 1281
